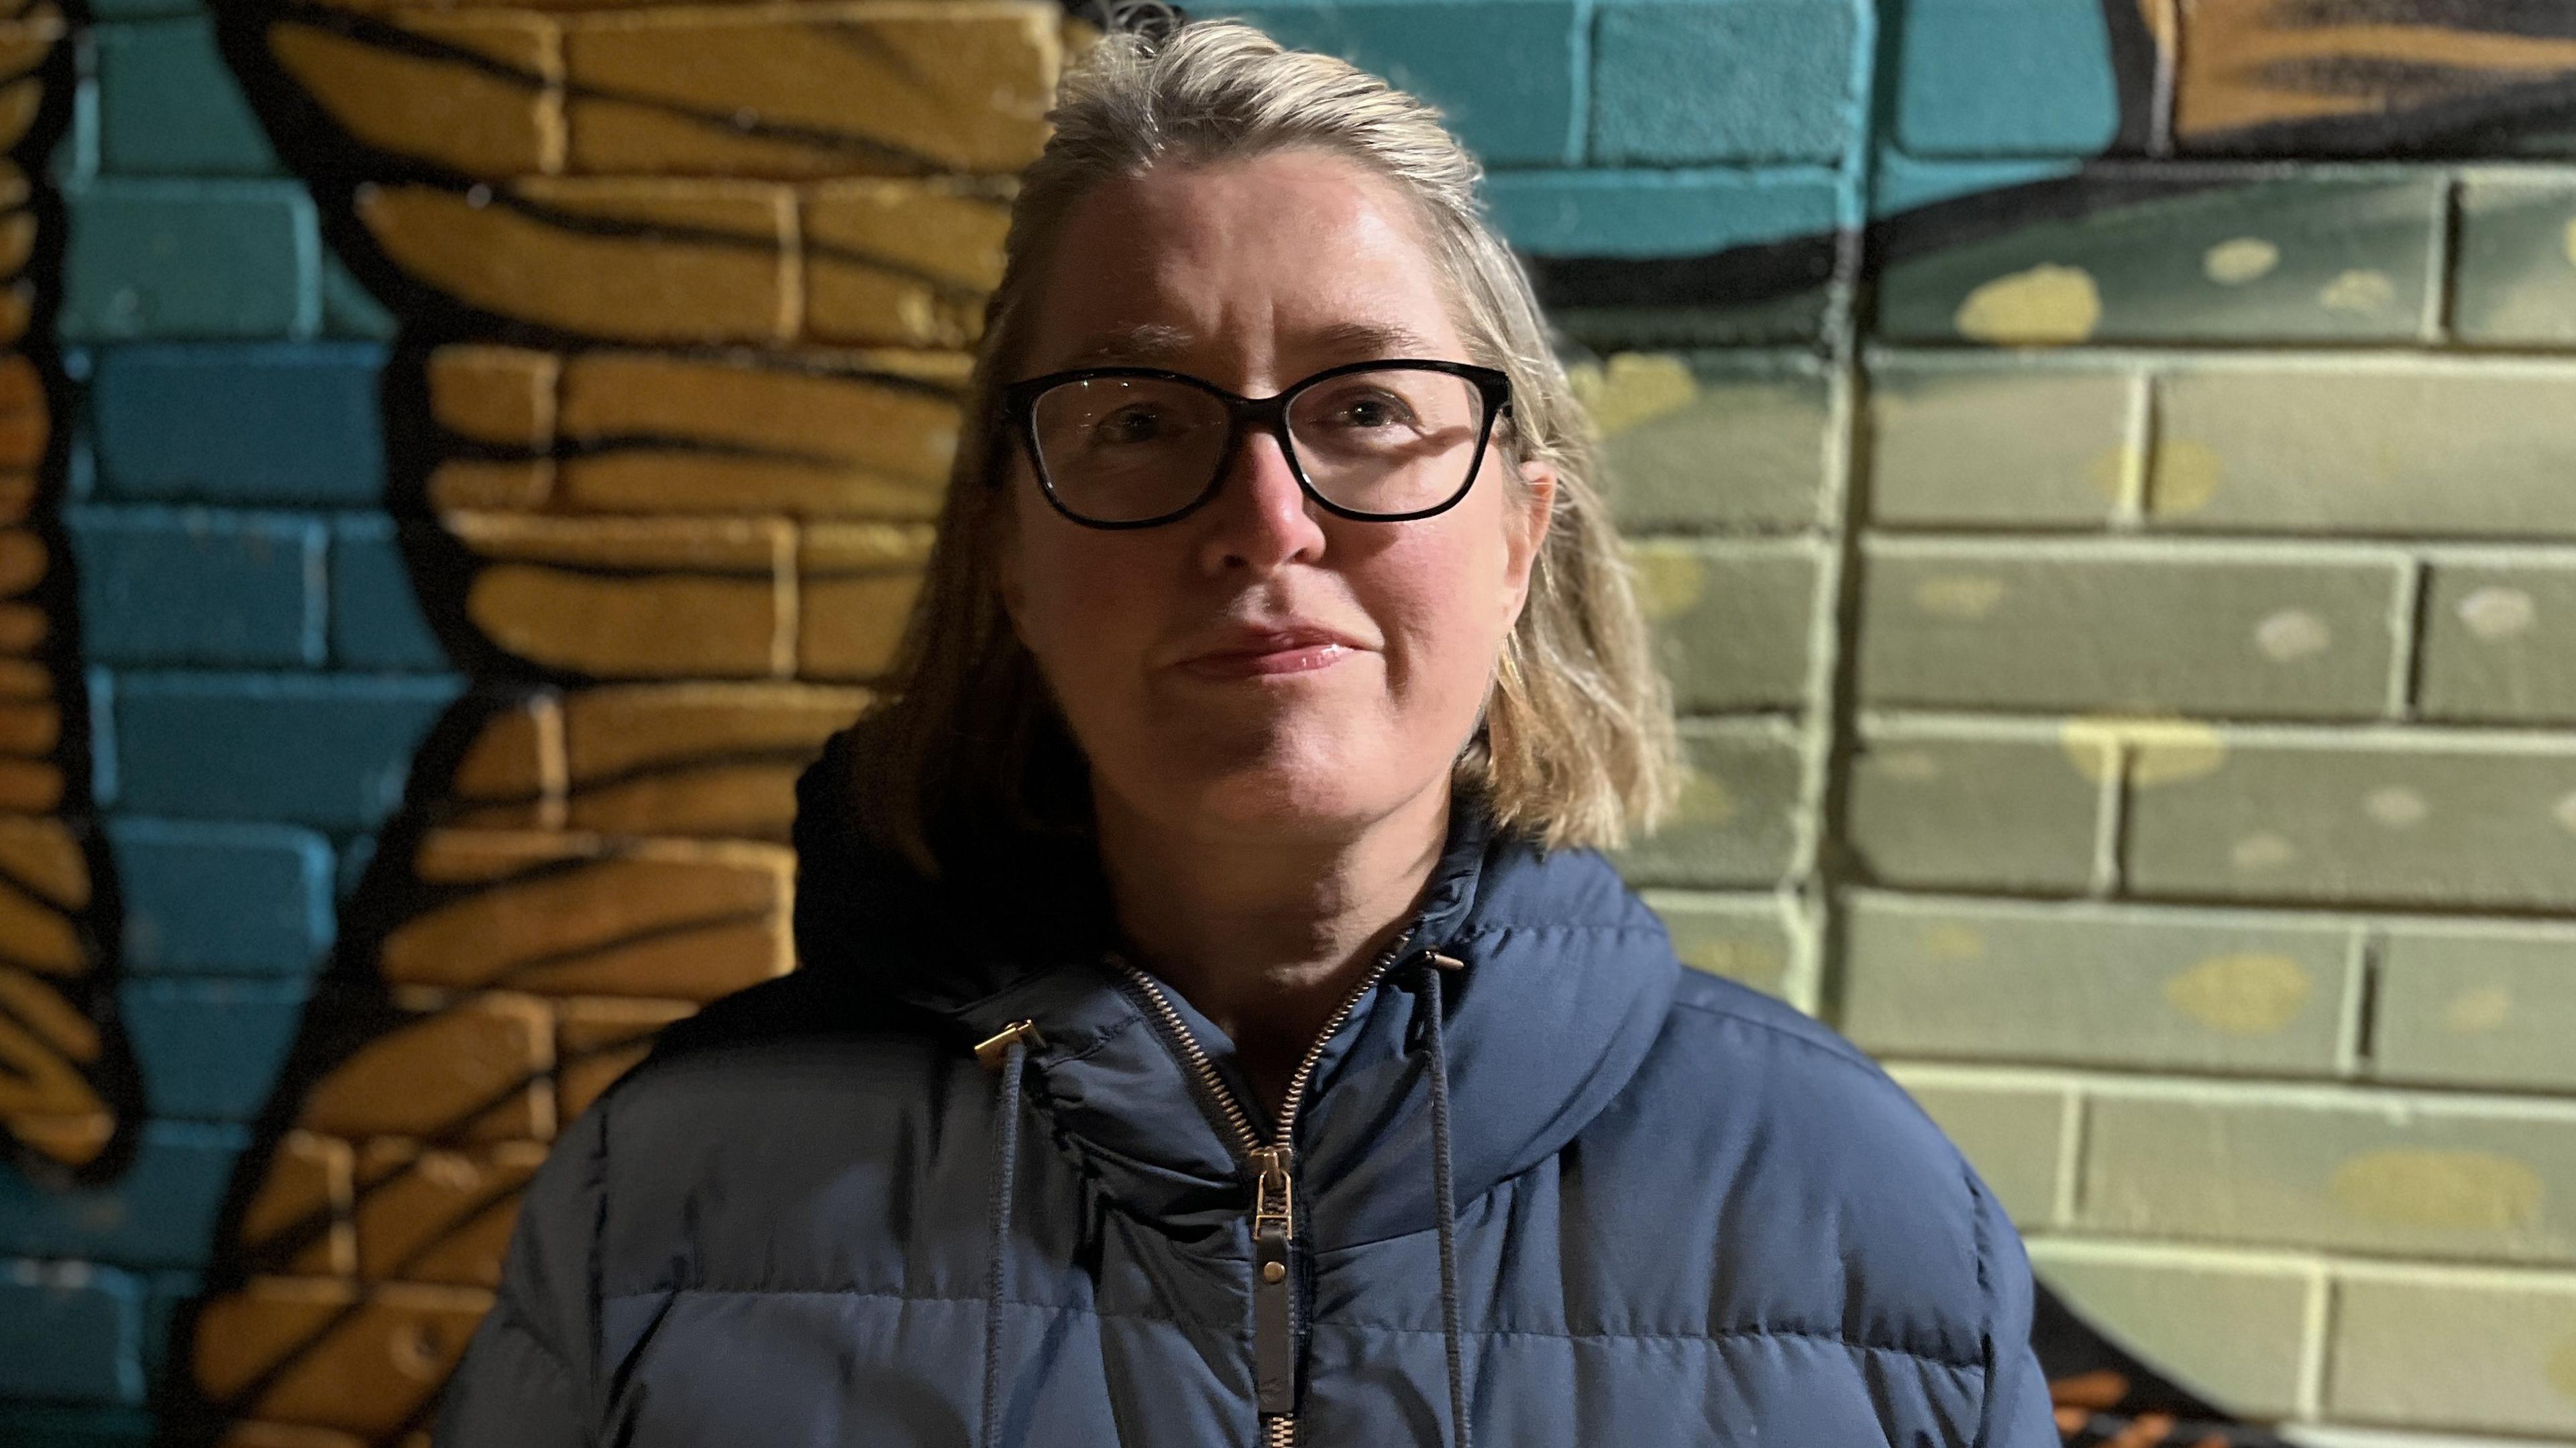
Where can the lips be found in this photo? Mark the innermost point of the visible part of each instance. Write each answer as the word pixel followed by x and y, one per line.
pixel 1260 653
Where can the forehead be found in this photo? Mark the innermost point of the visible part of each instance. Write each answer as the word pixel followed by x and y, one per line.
pixel 1285 262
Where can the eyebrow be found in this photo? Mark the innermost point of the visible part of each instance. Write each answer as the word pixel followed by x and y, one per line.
pixel 1150 344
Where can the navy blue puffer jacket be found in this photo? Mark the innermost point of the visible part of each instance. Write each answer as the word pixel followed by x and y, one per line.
pixel 1684 1213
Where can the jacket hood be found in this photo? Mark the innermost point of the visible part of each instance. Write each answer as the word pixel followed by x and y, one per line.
pixel 1567 980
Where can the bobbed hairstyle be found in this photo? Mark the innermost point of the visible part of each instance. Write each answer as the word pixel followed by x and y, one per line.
pixel 1576 746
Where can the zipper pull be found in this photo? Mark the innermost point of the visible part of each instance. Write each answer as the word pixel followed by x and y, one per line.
pixel 1274 1231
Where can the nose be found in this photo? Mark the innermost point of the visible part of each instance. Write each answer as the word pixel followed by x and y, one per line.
pixel 1259 519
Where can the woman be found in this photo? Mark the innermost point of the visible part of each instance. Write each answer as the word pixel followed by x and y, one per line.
pixel 1212 1023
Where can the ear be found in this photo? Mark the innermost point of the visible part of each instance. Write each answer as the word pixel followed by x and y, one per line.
pixel 1525 530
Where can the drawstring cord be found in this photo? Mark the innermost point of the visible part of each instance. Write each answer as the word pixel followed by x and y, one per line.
pixel 1445 1210
pixel 1010 1051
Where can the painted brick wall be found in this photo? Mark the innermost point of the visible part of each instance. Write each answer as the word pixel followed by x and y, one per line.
pixel 2126 610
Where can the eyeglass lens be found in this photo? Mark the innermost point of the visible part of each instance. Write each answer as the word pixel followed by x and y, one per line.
pixel 1125 449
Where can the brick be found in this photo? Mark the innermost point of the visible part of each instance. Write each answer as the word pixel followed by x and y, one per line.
pixel 349 311
pixel 2093 985
pixel 440 1216
pixel 1936 805
pixel 199 586
pixel 44 856
pixel 631 627
pixel 190 259
pixel 210 1050
pixel 894 89
pixel 278 422
pixel 1711 439
pixel 334 1355
pixel 2454 820
pixel 1736 82
pixel 2237 1328
pixel 299 1218
pixel 159 1213
pixel 2432 1176
pixel 2004 78
pixel 70 1331
pixel 1740 818
pixel 622 260
pixel 1658 213
pixel 2497 637
pixel 2015 445
pixel 328 751
pixel 376 617
pixel 2013 1131
pixel 55 1426
pixel 2325 256
pixel 2471 1005
pixel 859 582
pixel 2127 627
pixel 39 933
pixel 165 1295
pixel 503 396
pixel 474 103
pixel 2511 282
pixel 900 263
pixel 168 106
pixel 2489 1351
pixel 475 1071
pixel 696 759
pixel 599 1040
pixel 1731 619
pixel 669 921
pixel 1502 72
pixel 1755 940
pixel 221 899
pixel 2450 451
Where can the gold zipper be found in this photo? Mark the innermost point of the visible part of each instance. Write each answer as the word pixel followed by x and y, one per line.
pixel 1274 1202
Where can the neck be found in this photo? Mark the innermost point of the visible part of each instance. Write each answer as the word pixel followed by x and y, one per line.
pixel 1266 935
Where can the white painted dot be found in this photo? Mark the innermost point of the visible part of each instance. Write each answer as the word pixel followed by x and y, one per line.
pixel 478 196
pixel 2565 813
pixel 2265 851
pixel 2293 633
pixel 2396 806
pixel 2238 260
pixel 2496 612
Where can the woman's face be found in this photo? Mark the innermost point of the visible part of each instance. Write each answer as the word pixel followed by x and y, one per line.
pixel 1381 637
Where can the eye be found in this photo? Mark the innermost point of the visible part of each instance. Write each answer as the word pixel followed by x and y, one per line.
pixel 1134 424
pixel 1368 408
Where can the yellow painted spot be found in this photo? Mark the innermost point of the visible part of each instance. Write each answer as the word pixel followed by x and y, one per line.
pixel 1950 940
pixel 2462 1190
pixel 1914 766
pixel 1959 595
pixel 2238 260
pixel 1634 387
pixel 2046 305
pixel 2359 290
pixel 2266 851
pixel 2109 471
pixel 1744 960
pixel 2185 477
pixel 1669 579
pixel 2251 993
pixel 1704 801
pixel 2560 1369
pixel 2475 1012
pixel 2162 750
pixel 2565 813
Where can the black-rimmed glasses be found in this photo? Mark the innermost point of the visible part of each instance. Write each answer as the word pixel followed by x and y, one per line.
pixel 1130 447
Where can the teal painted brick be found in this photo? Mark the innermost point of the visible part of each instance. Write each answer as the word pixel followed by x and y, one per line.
pixel 1706 81
pixel 169 107
pixel 277 421
pixel 142 9
pixel 159 1213
pixel 209 1050
pixel 1501 71
pixel 45 1425
pixel 376 621
pixel 222 899
pixel 70 1331
pixel 355 857
pixel 349 309
pixel 165 1294
pixel 1660 213
pixel 1903 183
pixel 198 586
pixel 2005 78
pixel 330 751
pixel 190 259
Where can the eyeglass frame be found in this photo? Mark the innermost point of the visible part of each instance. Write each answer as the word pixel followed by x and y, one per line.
pixel 1020 399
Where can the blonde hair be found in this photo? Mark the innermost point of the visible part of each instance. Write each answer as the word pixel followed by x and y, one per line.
pixel 1577 746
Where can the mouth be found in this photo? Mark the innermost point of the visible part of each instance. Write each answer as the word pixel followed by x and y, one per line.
pixel 1286 659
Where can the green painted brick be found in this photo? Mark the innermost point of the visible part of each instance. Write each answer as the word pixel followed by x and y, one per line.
pixel 2315 1435
pixel 1755 940
pixel 2500 641
pixel 2460 449
pixel 190 259
pixel 169 107
pixel 1940 805
pixel 2095 985
pixel 2514 280
pixel 2394 816
pixel 2134 627
pixel 2478 1005
pixel 2012 1131
pixel 2320 257
pixel 2237 1328
pixel 2426 1175
pixel 2484 1351
pixel 1737 81
pixel 1741 817
pixel 1712 439
pixel 1732 618
pixel 1997 443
